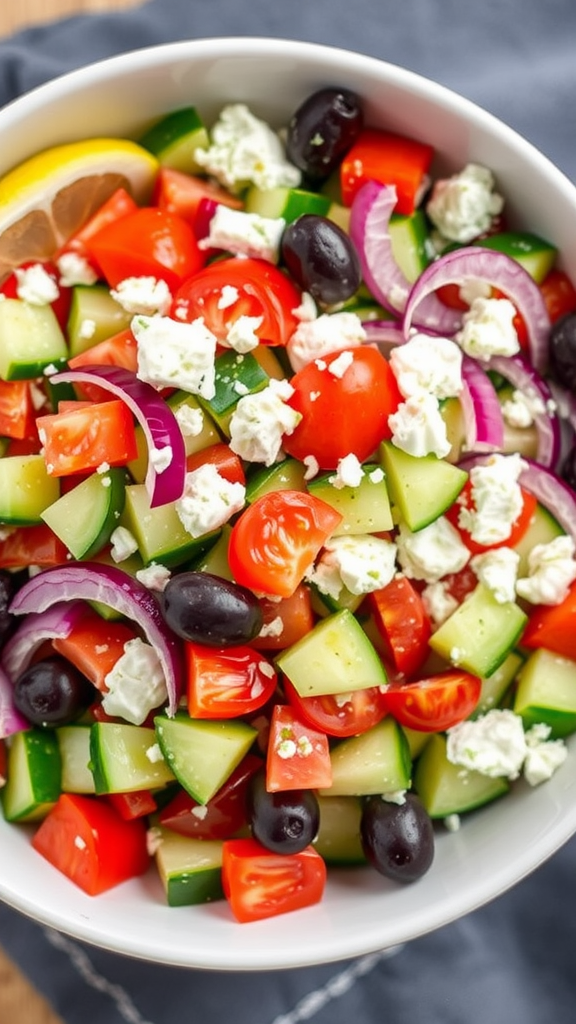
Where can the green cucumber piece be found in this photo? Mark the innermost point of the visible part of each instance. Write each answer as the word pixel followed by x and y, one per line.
pixel 233 371
pixel 445 788
pixel 535 254
pixel 94 316
pixel 480 634
pixel 190 869
pixel 203 753
pixel 288 203
pixel 336 656
pixel 125 758
pixel 364 509
pixel 546 692
pixel 324 604
pixel 376 761
pixel 409 242
pixel 31 340
pixel 338 841
pixel 26 489
pixel 495 687
pixel 281 476
pixel 542 529
pixel 421 488
pixel 175 138
pixel 215 560
pixel 85 517
pixel 159 533
pixel 34 775
pixel 74 745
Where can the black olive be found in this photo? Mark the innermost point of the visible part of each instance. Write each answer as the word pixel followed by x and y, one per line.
pixel 210 610
pixel 322 130
pixel 285 821
pixel 562 351
pixel 398 839
pixel 52 692
pixel 321 259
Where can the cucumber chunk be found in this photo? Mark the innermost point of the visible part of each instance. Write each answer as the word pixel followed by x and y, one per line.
pixel 30 340
pixel 288 203
pixel 234 375
pixel 408 239
pixel 203 754
pixel 422 488
pixel 287 475
pixel 34 775
pixel 175 138
pixel 377 761
pixel 338 840
pixel 125 758
pixel 85 517
pixel 159 533
pixel 445 788
pixel 190 869
pixel 74 745
pixel 94 316
pixel 535 254
pixel 480 634
pixel 542 529
pixel 26 489
pixel 364 509
pixel 546 692
pixel 336 656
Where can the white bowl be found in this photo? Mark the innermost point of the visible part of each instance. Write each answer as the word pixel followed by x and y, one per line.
pixel 495 848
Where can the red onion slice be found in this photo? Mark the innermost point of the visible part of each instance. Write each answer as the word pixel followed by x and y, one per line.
pixel 109 585
pixel 482 412
pixel 473 262
pixel 156 418
pixel 524 378
pixel 57 621
pixel 370 214
pixel 11 720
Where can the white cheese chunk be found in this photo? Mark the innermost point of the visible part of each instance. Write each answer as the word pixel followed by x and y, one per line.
pixel 361 563
pixel 208 501
pixel 74 269
pixel 488 329
pixel 245 150
pixel 145 295
pixel 244 234
pixel 330 332
pixel 464 205
pixel 35 285
pixel 497 569
pixel 174 354
pixel 493 744
pixel 136 684
pixel 496 499
pixel 551 570
pixel 123 543
pixel 433 552
pixel 418 427
pixel 259 422
pixel 427 363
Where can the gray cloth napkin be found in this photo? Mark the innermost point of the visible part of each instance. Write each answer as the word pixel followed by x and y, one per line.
pixel 513 961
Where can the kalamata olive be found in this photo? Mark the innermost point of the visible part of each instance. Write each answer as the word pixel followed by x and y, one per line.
pixel 322 130
pixel 562 351
pixel 52 692
pixel 397 838
pixel 210 610
pixel 568 468
pixel 321 259
pixel 284 822
pixel 7 591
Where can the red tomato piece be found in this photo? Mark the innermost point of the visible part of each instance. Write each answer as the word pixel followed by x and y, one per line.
pixel 435 703
pixel 94 645
pixel 298 755
pixel 404 627
pixel 87 437
pixel 559 294
pixel 221 456
pixel 16 409
pixel 390 159
pixel 182 193
pixel 118 205
pixel 147 243
pixel 361 710
pixel 222 816
pixel 226 682
pixel 31 545
pixel 88 841
pixel 275 540
pixel 119 350
pixel 552 627
pixel 133 805
pixel 262 291
pixel 342 414
pixel 259 884
pixel 518 530
pixel 285 621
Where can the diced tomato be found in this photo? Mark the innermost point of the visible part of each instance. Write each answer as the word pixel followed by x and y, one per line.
pixel 87 437
pixel 31 545
pixel 133 805
pixel 227 682
pixel 256 289
pixel 119 350
pixel 88 841
pixel 559 294
pixel 285 621
pixel 517 531
pixel 459 584
pixel 342 413
pixel 360 710
pixel 404 627
pixel 552 627
pixel 221 456
pixel 275 540
pixel 16 409
pixel 148 242
pixel 390 159
pixel 435 703
pixel 222 816
pixel 259 884
pixel 181 193
pixel 298 755
pixel 94 645
pixel 118 205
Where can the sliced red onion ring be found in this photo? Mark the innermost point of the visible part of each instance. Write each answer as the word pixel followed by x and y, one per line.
pixel 547 488
pixel 57 621
pixel 473 262
pixel 109 585
pixel 482 412
pixel 157 420
pixel 385 334
pixel 370 214
pixel 525 378
pixel 11 720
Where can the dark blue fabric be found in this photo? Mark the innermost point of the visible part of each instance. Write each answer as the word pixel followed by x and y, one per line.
pixel 513 961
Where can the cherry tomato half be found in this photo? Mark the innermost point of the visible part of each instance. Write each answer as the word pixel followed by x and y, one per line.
pixel 517 531
pixel 402 623
pixel 338 717
pixel 227 682
pixel 258 883
pixel 435 703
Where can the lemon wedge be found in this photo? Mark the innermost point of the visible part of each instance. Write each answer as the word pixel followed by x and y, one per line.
pixel 44 200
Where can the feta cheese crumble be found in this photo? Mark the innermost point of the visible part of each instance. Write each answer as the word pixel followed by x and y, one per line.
pixel 123 543
pixel 174 354
pixel 241 334
pixel 427 363
pixel 154 576
pixel 488 329
pixel 260 421
pixel 496 499
pixel 208 501
pixel 35 285
pixel 497 570
pixel 463 206
pixel 521 409
pixel 327 333
pixel 136 684
pixel 418 427
pixel 245 234
pixel 431 553
pixel 361 563
pixel 74 269
pixel 348 473
pixel 245 150
pixel 496 745
pixel 551 570
pixel 438 602
pixel 145 295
